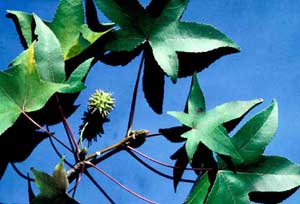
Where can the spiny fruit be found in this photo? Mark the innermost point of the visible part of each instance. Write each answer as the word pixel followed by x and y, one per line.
pixel 101 101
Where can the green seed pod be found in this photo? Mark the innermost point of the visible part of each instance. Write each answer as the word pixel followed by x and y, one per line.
pixel 102 102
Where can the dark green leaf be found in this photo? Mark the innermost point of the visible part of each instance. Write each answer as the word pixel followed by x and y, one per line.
pixel 196 101
pixel 199 191
pixel 206 127
pixel 52 188
pixel 67 23
pixel 75 80
pixel 252 139
pixel 269 174
pixel 19 91
pixel 165 33
pixel 48 54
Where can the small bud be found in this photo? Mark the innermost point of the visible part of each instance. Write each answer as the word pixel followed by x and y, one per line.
pixel 102 102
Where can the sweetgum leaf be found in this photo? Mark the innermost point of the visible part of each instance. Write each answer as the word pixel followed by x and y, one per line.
pixel 22 90
pixel 269 174
pixel 52 188
pixel 48 54
pixel 50 61
pixel 165 33
pixel 67 22
pixel 47 185
pixel 207 127
pixel 199 191
pixel 196 101
pixel 252 139
pixel 68 26
pixel 60 176
pixel 23 23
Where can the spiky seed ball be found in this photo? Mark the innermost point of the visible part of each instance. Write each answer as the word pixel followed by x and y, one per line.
pixel 101 101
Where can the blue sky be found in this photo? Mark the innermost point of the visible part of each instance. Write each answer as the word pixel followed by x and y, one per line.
pixel 267 67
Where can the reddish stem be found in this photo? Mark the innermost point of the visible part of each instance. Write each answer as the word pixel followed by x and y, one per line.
pixel 164 164
pixel 67 125
pixel 46 131
pixel 120 184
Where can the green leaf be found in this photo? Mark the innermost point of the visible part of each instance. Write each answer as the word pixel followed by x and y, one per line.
pixel 165 33
pixel 196 100
pixel 60 175
pixel 84 40
pixel 269 174
pixel 52 188
pixel 199 191
pixel 46 184
pixel 216 139
pixel 50 61
pixel 23 22
pixel 21 89
pixel 67 23
pixel 75 80
pixel 48 54
pixel 252 139
pixel 207 126
pixel 68 26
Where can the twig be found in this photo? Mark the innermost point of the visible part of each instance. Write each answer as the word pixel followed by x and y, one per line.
pixel 68 127
pixel 99 187
pixel 114 146
pixel 153 134
pixel 73 172
pixel 164 164
pixel 134 95
pixel 121 185
pixel 20 173
pixel 46 131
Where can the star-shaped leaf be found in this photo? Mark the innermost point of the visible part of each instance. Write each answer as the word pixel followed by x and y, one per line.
pixel 206 127
pixel 21 89
pixel 52 188
pixel 257 178
pixel 159 27
pixel 269 174
pixel 68 26
pixel 165 33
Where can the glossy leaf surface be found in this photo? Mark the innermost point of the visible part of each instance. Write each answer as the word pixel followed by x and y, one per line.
pixel 19 91
pixel 207 127
pixel 252 139
pixel 68 26
pixel 269 174
pixel 165 33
